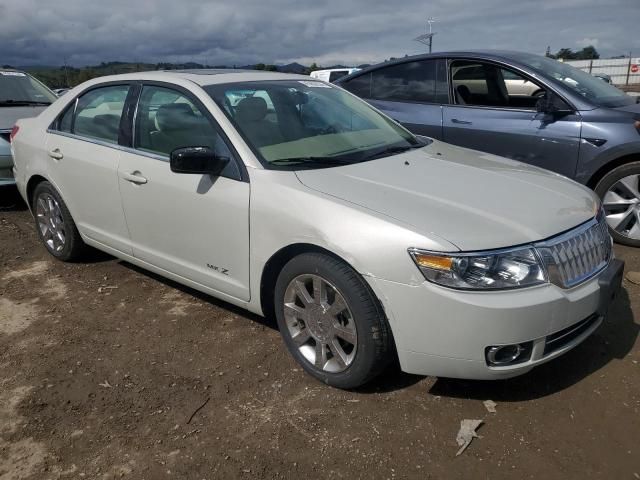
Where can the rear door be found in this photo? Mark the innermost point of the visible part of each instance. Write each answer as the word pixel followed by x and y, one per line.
pixel 192 225
pixel 411 93
pixel 83 148
pixel 493 109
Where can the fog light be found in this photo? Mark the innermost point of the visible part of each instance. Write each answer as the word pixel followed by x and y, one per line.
pixel 502 355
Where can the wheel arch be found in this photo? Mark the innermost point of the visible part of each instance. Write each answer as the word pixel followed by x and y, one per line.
pixel 33 182
pixel 274 265
pixel 609 166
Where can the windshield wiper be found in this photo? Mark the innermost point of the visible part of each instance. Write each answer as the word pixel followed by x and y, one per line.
pixel 393 151
pixel 311 160
pixel 22 103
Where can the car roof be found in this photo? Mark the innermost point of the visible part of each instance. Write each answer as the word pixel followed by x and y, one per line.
pixel 205 77
pixel 510 56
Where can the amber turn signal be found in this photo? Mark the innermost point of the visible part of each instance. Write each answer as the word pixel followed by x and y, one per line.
pixel 436 262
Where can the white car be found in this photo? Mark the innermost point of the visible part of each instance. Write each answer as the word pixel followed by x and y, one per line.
pixel 364 241
pixel 332 74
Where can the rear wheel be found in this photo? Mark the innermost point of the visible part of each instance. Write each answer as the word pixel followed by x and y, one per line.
pixel 54 223
pixel 331 321
pixel 620 193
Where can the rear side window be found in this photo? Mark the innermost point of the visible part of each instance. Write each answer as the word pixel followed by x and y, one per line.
pixel 360 85
pixel 335 75
pixel 411 82
pixel 97 114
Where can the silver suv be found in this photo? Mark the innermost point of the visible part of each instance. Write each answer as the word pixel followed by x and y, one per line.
pixel 525 107
pixel 21 96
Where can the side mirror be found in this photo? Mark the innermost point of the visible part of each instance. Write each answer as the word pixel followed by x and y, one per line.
pixel 551 103
pixel 197 160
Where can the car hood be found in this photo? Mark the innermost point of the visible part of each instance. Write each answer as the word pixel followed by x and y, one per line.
pixel 474 200
pixel 9 115
pixel 633 108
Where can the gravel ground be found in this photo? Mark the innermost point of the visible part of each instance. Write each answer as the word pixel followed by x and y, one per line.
pixel 107 371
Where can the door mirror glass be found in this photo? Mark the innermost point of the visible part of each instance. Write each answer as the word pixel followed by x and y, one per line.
pixel 197 160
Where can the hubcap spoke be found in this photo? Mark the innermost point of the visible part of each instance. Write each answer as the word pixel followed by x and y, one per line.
pixel 303 293
pixel 321 355
pixel 339 353
pixel 345 334
pixel 302 337
pixel 337 307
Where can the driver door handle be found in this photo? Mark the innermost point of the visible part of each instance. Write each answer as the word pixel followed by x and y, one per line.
pixel 460 122
pixel 56 154
pixel 133 177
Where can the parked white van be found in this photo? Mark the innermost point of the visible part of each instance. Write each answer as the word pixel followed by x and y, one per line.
pixel 333 74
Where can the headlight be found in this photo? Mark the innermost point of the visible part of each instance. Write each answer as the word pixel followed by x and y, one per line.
pixel 497 270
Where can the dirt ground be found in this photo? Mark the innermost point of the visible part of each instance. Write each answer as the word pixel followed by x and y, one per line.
pixel 102 366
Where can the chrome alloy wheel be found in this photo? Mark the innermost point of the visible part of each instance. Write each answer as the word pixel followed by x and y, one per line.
pixel 50 222
pixel 320 323
pixel 622 207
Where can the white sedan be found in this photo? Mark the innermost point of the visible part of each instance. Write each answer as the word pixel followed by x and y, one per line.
pixel 291 197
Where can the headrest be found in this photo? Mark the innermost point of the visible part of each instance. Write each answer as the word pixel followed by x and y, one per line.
pixel 251 109
pixel 174 116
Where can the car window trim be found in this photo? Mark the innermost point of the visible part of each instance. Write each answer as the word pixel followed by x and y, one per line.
pixel 242 168
pixel 513 68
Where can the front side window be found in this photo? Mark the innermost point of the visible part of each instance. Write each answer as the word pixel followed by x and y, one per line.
pixel 489 85
pixel 98 113
pixel 291 123
pixel 166 119
pixel 18 88
pixel 410 81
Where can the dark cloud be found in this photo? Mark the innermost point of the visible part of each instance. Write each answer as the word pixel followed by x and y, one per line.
pixel 280 31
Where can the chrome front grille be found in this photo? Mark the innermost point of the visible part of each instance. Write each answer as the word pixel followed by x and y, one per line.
pixel 577 255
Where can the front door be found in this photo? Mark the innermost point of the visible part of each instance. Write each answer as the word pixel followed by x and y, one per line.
pixel 494 110
pixel 194 226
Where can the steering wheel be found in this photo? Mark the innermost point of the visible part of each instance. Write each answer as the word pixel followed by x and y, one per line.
pixel 332 128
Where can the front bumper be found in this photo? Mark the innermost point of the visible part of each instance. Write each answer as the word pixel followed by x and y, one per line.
pixel 446 333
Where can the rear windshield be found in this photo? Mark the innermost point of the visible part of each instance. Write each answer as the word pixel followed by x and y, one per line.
pixel 20 88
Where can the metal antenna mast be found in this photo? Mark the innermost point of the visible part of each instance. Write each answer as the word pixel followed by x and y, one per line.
pixel 427 38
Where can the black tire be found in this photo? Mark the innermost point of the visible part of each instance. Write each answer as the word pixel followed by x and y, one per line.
pixel 539 93
pixel 74 248
pixel 374 348
pixel 606 183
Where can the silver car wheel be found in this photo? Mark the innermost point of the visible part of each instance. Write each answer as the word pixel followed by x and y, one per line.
pixel 50 222
pixel 622 206
pixel 320 323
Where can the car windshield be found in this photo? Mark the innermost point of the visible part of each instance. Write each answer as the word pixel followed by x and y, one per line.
pixel 592 88
pixel 308 124
pixel 17 88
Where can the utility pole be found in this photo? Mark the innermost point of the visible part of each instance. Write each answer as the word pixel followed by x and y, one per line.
pixel 427 38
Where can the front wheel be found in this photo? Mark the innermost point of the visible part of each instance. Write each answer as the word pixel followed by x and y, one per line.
pixel 620 193
pixel 331 321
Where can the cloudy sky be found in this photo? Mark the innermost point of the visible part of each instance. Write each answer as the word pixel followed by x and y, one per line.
pixel 281 31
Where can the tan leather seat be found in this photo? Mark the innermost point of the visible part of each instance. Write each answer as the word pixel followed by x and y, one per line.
pixel 251 115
